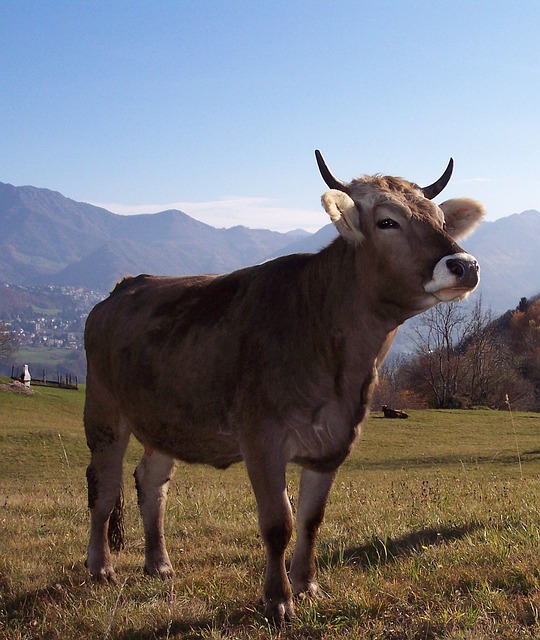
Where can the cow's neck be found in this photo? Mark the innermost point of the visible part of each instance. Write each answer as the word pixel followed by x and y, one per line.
pixel 343 276
pixel 350 321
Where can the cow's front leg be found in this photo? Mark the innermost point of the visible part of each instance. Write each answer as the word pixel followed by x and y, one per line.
pixel 152 477
pixel 314 490
pixel 275 524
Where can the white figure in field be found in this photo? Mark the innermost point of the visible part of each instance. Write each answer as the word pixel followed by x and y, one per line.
pixel 26 377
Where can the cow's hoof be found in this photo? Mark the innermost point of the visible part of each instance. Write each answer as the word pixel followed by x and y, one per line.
pixel 307 590
pixel 162 570
pixel 104 575
pixel 278 613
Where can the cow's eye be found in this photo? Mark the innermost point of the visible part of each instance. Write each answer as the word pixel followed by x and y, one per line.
pixel 388 223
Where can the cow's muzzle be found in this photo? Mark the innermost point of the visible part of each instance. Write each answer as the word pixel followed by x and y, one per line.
pixel 454 277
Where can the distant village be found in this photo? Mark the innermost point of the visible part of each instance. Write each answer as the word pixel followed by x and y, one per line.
pixel 59 325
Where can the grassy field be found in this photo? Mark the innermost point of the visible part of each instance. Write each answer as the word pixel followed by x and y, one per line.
pixel 47 356
pixel 432 531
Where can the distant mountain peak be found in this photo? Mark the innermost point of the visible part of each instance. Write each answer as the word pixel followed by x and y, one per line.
pixel 48 238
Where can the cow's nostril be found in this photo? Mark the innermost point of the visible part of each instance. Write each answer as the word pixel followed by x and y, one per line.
pixel 456 267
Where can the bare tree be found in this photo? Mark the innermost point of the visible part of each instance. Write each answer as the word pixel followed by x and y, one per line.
pixel 463 358
pixel 482 351
pixel 388 390
pixel 437 365
pixel 491 365
pixel 7 343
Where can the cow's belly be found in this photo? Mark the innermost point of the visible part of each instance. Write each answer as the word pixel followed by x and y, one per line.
pixel 198 444
pixel 212 437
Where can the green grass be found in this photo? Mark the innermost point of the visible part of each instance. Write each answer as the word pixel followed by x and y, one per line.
pixel 44 356
pixel 46 312
pixel 432 531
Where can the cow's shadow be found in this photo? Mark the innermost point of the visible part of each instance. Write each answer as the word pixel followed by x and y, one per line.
pixel 379 552
pixel 375 553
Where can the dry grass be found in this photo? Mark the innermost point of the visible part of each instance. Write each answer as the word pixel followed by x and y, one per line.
pixel 432 531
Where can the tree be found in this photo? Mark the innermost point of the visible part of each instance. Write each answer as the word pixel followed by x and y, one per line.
pixel 525 341
pixel 525 334
pixel 486 357
pixel 436 370
pixel 7 342
pixel 464 357
pixel 392 388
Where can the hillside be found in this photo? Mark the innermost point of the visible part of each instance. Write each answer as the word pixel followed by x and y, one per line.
pixel 43 232
pixel 508 250
pixel 48 238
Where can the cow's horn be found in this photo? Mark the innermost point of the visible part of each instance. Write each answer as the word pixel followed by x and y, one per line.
pixel 434 189
pixel 327 175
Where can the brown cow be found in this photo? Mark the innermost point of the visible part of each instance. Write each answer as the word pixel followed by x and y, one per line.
pixel 394 413
pixel 271 364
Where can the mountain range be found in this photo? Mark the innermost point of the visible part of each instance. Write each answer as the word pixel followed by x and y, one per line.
pixel 46 238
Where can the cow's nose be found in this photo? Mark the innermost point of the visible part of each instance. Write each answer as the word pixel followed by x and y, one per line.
pixel 456 267
pixel 465 270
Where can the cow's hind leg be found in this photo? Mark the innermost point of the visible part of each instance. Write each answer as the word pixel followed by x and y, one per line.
pixel 314 490
pixel 152 477
pixel 104 476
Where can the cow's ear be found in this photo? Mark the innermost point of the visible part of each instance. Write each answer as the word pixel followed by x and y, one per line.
pixel 462 216
pixel 344 214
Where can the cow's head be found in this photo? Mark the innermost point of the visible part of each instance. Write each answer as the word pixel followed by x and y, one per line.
pixel 409 240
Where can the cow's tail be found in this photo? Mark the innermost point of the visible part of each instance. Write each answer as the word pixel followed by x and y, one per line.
pixel 115 533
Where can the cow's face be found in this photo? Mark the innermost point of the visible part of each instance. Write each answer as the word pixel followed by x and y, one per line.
pixel 408 243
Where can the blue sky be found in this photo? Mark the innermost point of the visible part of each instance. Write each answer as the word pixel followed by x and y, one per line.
pixel 215 107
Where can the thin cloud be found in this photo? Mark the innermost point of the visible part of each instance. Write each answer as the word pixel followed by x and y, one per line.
pixel 256 213
pixel 476 180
